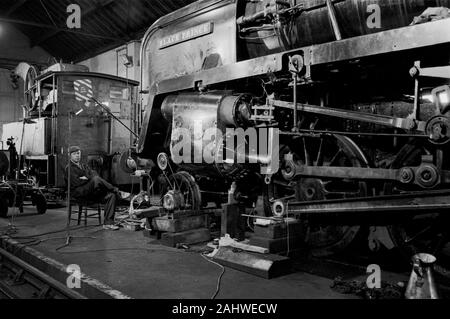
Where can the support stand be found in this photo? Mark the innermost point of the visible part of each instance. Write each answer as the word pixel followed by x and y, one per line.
pixel 69 237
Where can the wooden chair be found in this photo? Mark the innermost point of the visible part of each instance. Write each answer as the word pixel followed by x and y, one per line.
pixel 83 208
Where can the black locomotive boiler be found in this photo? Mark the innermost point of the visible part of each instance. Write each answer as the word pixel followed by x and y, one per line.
pixel 356 91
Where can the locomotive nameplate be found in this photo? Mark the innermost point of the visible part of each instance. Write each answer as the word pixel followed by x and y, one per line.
pixel 186 35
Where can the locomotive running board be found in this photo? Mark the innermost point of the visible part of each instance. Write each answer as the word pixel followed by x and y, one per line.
pixel 417 203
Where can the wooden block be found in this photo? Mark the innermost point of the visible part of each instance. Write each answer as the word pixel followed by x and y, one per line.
pixel 179 225
pixel 278 230
pixel 263 265
pixel 232 223
pixel 149 212
pixel 187 237
pixel 132 227
pixel 276 245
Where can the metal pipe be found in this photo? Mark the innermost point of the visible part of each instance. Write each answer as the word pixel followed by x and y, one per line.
pixel 394 122
pixel 295 129
pixel 334 22
pixel 113 116
pixel 416 111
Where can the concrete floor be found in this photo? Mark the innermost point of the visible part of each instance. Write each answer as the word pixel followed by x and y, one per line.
pixel 142 268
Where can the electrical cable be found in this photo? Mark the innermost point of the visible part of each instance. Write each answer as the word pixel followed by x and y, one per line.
pixel 219 279
pixel 53 232
pixel 48 13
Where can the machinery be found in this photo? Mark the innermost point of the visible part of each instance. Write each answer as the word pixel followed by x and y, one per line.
pixel 15 188
pixel 350 97
pixel 68 105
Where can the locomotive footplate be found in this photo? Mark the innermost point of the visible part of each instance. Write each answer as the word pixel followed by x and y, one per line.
pixel 414 202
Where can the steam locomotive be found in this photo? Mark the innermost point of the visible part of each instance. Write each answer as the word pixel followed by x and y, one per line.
pixel 356 93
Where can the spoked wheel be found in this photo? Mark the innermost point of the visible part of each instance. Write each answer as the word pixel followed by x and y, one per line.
pixel 181 192
pixel 424 233
pixel 323 239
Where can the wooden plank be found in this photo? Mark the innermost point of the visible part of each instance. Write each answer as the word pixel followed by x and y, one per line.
pixel 276 245
pixel 262 265
pixel 278 230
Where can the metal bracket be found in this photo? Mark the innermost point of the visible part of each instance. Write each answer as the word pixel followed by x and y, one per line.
pixel 433 72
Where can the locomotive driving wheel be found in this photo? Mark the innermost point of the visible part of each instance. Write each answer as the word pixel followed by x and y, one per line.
pixel 326 150
pixel 424 233
pixel 181 192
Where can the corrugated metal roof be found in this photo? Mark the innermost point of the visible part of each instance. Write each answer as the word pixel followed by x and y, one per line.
pixel 105 24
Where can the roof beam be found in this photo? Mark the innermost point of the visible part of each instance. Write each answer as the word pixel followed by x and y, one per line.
pixel 50 34
pixel 15 7
pixel 48 26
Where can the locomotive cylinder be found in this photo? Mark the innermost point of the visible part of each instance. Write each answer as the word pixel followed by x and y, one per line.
pixel 232 110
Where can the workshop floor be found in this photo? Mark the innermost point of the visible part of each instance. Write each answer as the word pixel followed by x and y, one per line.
pixel 142 268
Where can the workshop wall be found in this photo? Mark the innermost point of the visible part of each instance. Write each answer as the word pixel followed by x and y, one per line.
pixel 10 101
pixel 15 47
pixel 113 61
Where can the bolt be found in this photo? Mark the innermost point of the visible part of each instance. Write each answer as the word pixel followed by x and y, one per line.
pixel 426 175
pixel 414 71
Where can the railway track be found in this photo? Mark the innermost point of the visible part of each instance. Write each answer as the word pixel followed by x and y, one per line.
pixel 20 280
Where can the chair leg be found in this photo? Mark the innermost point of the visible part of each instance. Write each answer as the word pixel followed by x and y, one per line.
pixel 99 210
pixel 70 213
pixel 80 211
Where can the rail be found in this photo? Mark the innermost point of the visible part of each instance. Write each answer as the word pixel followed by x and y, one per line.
pixel 20 280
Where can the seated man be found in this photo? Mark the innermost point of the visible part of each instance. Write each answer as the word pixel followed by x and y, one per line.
pixel 86 185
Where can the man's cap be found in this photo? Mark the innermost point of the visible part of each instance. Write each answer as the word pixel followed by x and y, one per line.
pixel 74 149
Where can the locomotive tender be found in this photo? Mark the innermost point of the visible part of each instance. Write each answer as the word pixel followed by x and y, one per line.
pixel 356 90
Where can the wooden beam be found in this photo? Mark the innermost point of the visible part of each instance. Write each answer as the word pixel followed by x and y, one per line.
pixel 15 7
pixel 48 26
pixel 50 34
pixel 10 63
